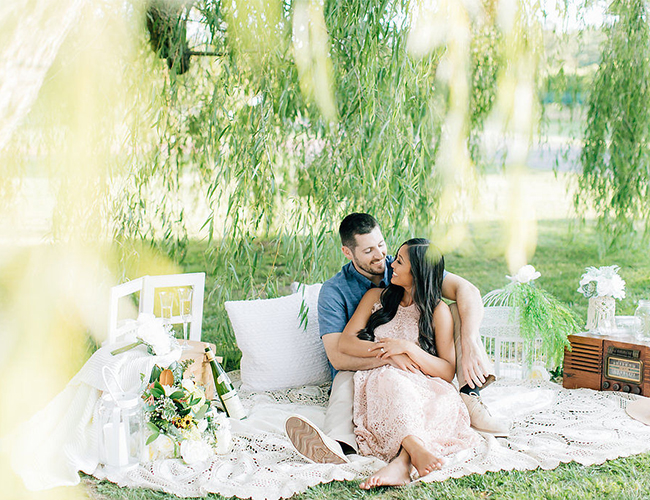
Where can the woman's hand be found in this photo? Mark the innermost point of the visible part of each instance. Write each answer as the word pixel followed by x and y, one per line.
pixel 387 347
pixel 403 362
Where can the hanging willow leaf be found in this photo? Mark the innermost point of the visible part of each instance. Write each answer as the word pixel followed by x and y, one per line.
pixel 616 154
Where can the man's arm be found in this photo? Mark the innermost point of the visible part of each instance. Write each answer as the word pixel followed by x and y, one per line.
pixel 475 365
pixel 341 361
pixel 332 322
pixel 332 313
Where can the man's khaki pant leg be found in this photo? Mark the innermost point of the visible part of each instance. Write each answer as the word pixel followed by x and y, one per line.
pixel 339 423
pixel 459 350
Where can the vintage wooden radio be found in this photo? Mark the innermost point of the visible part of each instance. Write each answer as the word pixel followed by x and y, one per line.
pixel 607 364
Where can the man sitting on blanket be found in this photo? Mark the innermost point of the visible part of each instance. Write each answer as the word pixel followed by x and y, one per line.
pixel 369 266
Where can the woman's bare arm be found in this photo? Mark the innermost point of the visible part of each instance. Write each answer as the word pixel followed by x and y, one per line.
pixel 444 364
pixel 349 343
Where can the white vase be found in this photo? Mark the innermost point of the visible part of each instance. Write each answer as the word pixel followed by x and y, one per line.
pixel 601 315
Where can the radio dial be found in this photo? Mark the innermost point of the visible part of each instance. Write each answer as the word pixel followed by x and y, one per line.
pixel 606 385
pixel 626 388
pixel 616 387
pixel 636 390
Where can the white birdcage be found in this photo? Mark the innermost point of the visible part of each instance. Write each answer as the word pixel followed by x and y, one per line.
pixel 505 346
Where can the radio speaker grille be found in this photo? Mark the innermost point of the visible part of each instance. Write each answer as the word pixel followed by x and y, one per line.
pixel 584 356
pixel 583 363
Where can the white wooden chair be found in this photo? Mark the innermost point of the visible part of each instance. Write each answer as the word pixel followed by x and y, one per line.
pixel 146 286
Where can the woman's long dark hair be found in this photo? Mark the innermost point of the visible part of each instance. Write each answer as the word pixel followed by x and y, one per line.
pixel 427 271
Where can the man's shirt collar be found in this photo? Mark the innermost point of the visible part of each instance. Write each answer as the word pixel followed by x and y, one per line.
pixel 351 271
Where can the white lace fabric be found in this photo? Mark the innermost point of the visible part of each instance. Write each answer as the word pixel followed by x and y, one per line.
pixel 551 425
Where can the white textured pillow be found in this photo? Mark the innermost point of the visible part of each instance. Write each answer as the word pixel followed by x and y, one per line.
pixel 278 353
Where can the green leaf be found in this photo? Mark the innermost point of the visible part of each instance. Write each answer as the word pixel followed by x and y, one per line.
pixel 177 394
pixel 155 374
pixel 184 411
pixel 152 438
pixel 202 411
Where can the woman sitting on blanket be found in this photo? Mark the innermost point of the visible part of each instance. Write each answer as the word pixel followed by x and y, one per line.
pixel 412 418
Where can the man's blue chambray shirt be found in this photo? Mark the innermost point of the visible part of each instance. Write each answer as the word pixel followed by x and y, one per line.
pixel 340 296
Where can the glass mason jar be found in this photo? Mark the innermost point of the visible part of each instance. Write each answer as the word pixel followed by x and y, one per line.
pixel 601 315
pixel 643 313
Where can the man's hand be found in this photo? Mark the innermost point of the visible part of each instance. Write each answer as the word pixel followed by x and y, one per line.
pixel 474 363
pixel 341 361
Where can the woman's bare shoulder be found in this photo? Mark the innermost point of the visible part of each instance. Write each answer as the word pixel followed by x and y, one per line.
pixel 442 313
pixel 371 297
pixel 442 308
pixel 373 293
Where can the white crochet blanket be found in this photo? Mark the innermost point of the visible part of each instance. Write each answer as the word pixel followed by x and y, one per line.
pixel 551 425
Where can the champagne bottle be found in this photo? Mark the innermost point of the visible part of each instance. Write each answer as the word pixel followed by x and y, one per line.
pixel 224 388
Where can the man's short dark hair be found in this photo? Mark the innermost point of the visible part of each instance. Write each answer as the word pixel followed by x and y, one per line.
pixel 354 224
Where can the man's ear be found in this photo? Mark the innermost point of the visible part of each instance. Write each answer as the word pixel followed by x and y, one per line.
pixel 347 252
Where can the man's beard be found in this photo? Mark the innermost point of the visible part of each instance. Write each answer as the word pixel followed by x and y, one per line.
pixel 371 271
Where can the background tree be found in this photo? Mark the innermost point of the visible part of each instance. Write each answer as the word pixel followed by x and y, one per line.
pixel 316 109
pixel 615 158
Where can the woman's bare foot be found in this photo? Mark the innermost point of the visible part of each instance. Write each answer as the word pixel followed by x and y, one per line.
pixel 396 473
pixel 422 459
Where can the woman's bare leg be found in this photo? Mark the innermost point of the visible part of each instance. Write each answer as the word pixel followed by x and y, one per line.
pixel 422 459
pixel 396 473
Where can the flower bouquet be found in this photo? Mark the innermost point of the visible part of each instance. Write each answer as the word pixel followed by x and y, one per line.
pixel 540 315
pixel 151 332
pixel 602 282
pixel 602 286
pixel 179 418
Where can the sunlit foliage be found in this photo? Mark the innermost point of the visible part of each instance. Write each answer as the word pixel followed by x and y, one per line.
pixel 325 110
pixel 616 154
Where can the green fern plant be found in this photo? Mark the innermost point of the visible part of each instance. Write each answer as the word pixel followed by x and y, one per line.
pixel 540 316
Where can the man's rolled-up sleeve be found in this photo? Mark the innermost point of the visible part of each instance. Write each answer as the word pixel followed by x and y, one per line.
pixel 332 311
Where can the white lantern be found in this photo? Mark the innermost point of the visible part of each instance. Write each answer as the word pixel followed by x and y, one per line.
pixel 121 428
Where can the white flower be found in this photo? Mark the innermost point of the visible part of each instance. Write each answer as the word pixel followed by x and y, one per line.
pixel 220 419
pixel 152 331
pixel 188 384
pixel 162 447
pixel 602 282
pixel 193 451
pixel 525 274
pixel 195 391
pixel 169 390
pixel 614 286
pixel 202 425
pixel 191 433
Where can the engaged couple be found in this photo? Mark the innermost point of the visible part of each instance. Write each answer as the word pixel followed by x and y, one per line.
pixel 394 347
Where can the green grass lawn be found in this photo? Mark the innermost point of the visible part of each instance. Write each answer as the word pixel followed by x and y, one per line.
pixel 563 251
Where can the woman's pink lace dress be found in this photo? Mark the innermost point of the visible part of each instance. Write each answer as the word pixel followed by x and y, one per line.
pixel 390 404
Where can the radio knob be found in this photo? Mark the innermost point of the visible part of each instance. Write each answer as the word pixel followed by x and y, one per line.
pixel 616 387
pixel 606 385
pixel 636 390
pixel 626 388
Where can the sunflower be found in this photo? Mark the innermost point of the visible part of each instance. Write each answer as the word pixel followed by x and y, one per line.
pixel 183 422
